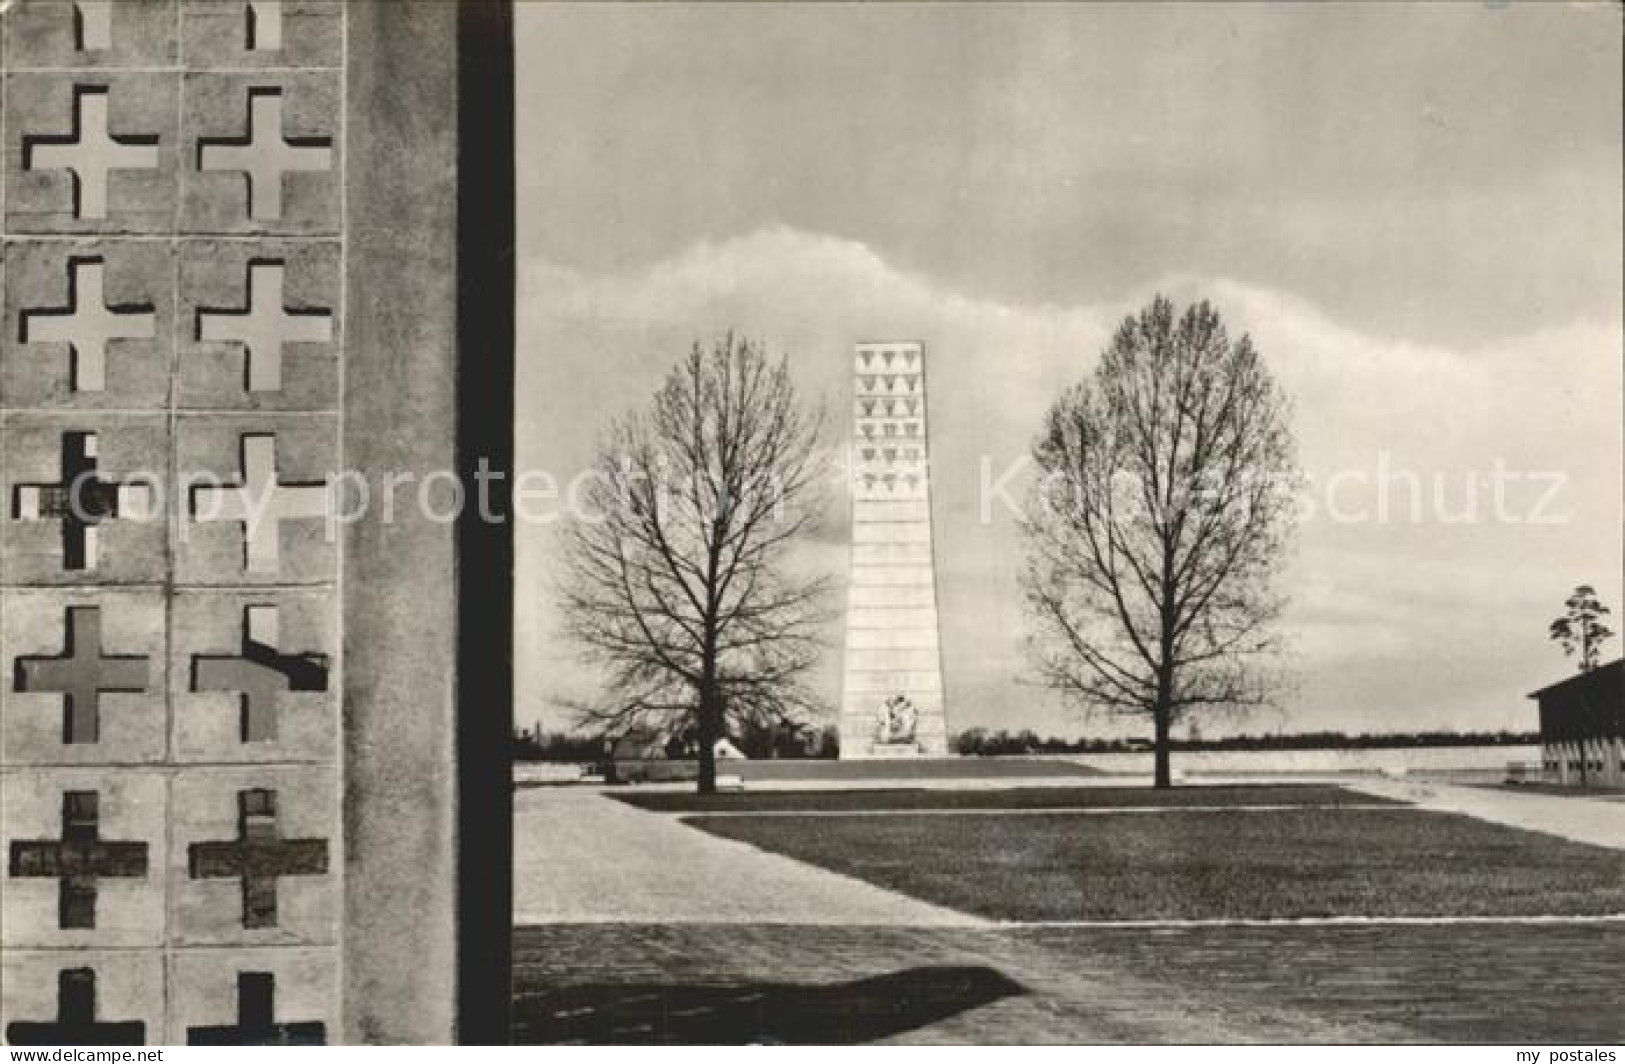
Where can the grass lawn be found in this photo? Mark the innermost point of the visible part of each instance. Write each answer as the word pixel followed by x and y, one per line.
pixel 1208 865
pixel 923 768
pixel 1017 798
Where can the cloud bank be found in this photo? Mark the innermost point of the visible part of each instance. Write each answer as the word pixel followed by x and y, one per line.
pixel 1395 625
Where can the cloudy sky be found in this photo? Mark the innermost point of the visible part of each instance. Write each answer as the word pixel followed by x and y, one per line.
pixel 1414 211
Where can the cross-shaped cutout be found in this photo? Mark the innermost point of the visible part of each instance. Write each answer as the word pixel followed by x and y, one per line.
pixel 259 674
pixel 82 674
pixel 258 856
pixel 78 860
pixel 88 324
pixel 76 1023
pixel 264 155
pixel 81 501
pixel 264 325
pixel 93 25
pixel 264 25
pixel 260 503
pixel 256 1020
pixel 90 151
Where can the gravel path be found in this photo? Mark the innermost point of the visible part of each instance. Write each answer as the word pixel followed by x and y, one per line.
pixel 1590 820
pixel 580 857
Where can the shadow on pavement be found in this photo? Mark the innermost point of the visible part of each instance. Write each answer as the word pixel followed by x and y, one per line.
pixel 863 1010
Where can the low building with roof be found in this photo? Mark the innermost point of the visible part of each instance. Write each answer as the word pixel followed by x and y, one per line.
pixel 1582 727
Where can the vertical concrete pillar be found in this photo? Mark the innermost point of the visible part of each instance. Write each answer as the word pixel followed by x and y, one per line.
pixel 892 693
pixel 428 602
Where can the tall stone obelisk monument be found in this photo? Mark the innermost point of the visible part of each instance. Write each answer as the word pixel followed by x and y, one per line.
pixel 892 696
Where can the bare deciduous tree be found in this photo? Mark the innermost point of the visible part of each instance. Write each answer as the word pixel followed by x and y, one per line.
pixel 1157 524
pixel 675 577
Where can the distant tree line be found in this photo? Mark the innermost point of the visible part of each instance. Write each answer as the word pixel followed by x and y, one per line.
pixel 824 742
pixel 533 745
pixel 984 743
pixel 757 742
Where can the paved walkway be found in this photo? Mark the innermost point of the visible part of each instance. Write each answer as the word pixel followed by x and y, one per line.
pixel 1596 821
pixel 1015 811
pixel 606 983
pixel 660 933
pixel 581 857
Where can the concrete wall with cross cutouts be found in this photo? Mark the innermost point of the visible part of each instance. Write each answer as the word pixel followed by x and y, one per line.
pixel 198 826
